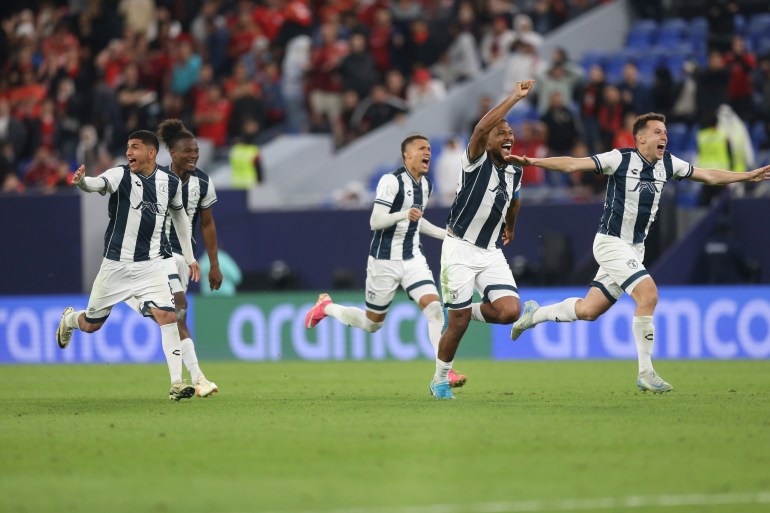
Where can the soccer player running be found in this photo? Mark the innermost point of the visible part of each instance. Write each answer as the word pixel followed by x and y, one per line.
pixel 485 208
pixel 198 196
pixel 636 180
pixel 141 197
pixel 395 256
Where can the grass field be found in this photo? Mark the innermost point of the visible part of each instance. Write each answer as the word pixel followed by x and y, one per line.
pixel 367 438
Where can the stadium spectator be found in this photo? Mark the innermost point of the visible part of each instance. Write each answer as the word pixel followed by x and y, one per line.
pixel 324 80
pixel 496 43
pixel 424 89
pixel 624 138
pixel 530 140
pixel 610 115
pixel 711 83
pixel 212 115
pixel 563 128
pixel 740 64
pixel 185 69
pixel 357 70
pixel 447 170
pixel 635 94
pixel 563 76
pixel 295 65
pixel 591 98
pixel 377 109
pixel 664 91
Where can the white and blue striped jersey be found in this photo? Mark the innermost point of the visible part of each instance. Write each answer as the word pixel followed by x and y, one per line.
pixel 197 194
pixel 138 208
pixel 399 191
pixel 634 189
pixel 484 194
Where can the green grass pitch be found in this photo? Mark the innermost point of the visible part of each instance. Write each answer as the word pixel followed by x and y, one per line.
pixel 366 437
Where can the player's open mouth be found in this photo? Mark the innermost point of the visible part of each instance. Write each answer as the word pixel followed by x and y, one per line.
pixel 131 162
pixel 426 161
pixel 507 146
pixel 661 147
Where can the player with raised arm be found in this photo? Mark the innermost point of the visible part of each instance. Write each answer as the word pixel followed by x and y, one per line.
pixel 636 180
pixel 141 197
pixel 198 197
pixel 395 256
pixel 483 214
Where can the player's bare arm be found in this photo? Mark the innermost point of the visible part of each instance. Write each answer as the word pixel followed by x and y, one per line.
pixel 478 143
pixel 721 177
pixel 510 220
pixel 209 231
pixel 562 164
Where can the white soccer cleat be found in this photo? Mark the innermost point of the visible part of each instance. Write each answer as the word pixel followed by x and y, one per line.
pixel 525 321
pixel 205 388
pixel 64 333
pixel 652 382
pixel 181 390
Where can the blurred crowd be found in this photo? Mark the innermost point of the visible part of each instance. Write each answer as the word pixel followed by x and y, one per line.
pixel 78 76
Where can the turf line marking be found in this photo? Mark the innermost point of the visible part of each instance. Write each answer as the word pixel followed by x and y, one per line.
pixel 534 506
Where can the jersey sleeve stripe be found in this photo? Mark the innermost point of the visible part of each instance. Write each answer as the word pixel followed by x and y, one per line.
pixel 383 202
pixel 597 164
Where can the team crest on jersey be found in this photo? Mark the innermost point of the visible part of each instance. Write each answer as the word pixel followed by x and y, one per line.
pixel 453 295
pixel 633 264
pixel 155 208
pixel 164 189
pixel 370 295
pixel 642 186
pixel 660 173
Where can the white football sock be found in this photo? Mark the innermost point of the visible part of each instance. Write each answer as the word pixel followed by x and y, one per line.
pixel 560 312
pixel 435 315
pixel 476 314
pixel 71 319
pixel 172 348
pixel 190 360
pixel 644 335
pixel 352 317
pixel 442 371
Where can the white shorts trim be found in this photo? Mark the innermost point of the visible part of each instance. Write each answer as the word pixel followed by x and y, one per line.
pixel 465 267
pixel 383 277
pixel 621 265
pixel 178 273
pixel 146 281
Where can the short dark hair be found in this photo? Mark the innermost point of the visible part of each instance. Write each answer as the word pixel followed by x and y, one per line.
pixel 409 140
pixel 172 130
pixel 147 137
pixel 640 123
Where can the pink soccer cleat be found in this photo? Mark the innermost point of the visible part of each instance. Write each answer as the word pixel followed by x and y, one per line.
pixel 316 314
pixel 456 380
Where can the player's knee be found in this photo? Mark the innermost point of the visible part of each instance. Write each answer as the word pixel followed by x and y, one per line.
pixel 181 314
pixel 372 326
pixel 91 327
pixel 589 315
pixel 510 314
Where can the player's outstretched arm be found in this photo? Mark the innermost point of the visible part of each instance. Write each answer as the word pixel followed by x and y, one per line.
pixel 89 183
pixel 478 143
pixel 562 164
pixel 721 177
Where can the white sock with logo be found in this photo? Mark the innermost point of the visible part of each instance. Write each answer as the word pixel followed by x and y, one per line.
pixel 190 359
pixel 435 315
pixel 644 335
pixel 476 314
pixel 172 348
pixel 442 371
pixel 560 312
pixel 352 317
pixel 71 319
